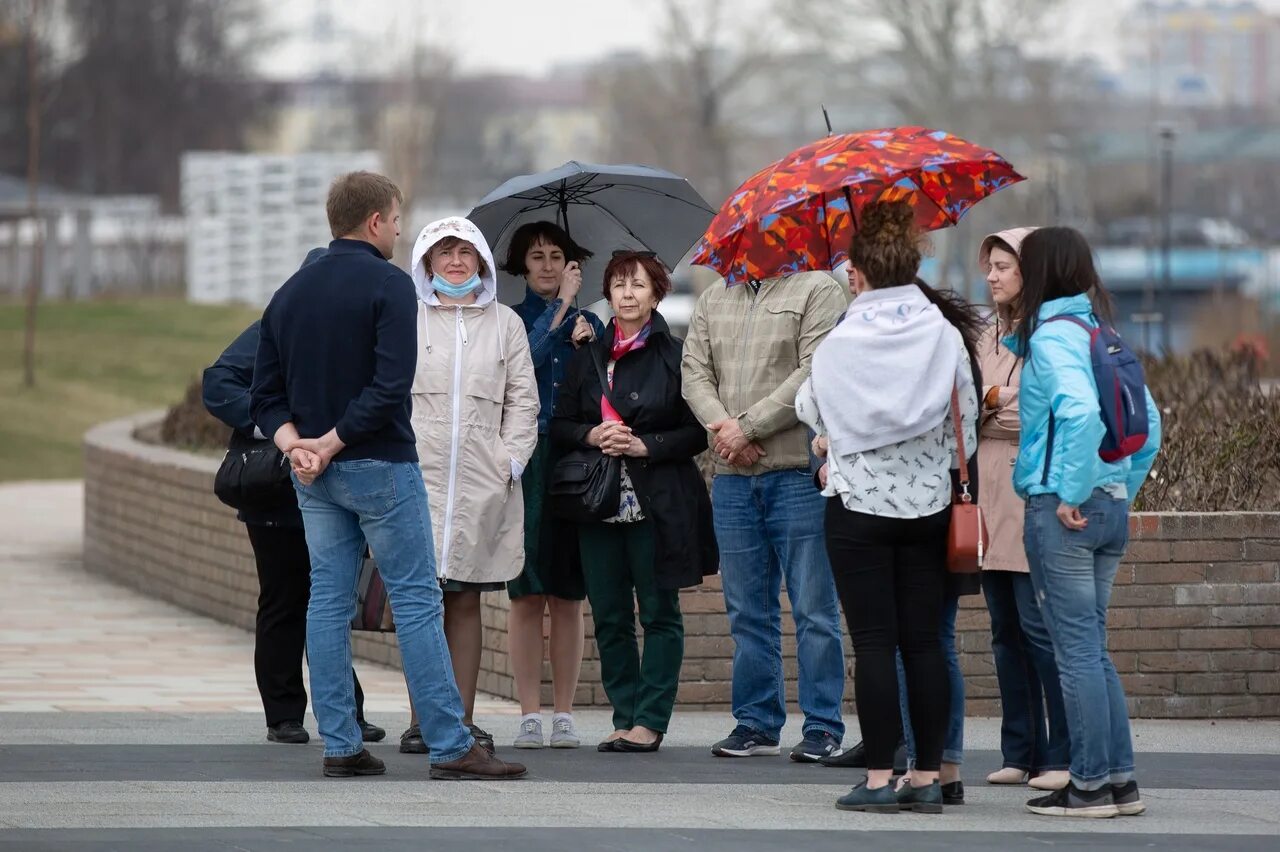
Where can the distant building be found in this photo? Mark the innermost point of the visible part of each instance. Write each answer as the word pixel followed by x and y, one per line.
pixel 251 218
pixel 1204 53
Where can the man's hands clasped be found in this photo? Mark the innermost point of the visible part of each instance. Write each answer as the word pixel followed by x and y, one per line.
pixel 308 457
pixel 733 446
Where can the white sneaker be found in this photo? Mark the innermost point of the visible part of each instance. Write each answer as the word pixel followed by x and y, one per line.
pixel 530 735
pixel 1007 775
pixel 564 734
pixel 1054 779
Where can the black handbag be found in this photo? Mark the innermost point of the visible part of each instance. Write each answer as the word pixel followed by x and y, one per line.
pixel 586 485
pixel 253 476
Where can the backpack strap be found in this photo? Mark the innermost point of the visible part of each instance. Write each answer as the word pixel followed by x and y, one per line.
pixel 1048 447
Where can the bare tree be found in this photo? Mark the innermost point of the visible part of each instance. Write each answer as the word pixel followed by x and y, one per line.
pixel 676 111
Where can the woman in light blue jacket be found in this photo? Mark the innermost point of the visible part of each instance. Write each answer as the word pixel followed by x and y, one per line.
pixel 1077 515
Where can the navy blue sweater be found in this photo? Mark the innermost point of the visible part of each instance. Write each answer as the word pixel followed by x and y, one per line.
pixel 338 348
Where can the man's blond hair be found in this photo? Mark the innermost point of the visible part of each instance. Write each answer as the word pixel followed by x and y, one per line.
pixel 356 196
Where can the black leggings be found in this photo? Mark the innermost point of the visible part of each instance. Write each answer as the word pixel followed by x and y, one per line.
pixel 890 574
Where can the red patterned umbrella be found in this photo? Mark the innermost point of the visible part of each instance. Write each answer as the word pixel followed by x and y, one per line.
pixel 793 215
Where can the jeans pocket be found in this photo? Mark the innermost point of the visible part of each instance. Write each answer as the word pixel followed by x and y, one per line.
pixel 369 486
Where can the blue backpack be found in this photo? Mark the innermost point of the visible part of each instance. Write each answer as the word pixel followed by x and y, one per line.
pixel 1122 400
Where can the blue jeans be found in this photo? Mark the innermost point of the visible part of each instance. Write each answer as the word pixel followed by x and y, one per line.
pixel 385 504
pixel 953 745
pixel 1028 677
pixel 770 527
pixel 1072 572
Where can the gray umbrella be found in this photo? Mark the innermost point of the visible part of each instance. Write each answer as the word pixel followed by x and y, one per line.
pixel 603 208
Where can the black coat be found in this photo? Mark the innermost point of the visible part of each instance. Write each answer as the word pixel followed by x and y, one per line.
pixel 671 490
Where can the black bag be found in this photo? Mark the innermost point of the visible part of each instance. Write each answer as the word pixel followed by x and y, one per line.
pixel 585 484
pixel 253 476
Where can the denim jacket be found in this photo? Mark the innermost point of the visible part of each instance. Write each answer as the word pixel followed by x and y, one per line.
pixel 550 347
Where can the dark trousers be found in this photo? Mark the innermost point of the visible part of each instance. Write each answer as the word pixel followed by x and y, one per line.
pixel 1028 676
pixel 284 588
pixel 890 574
pixel 617 560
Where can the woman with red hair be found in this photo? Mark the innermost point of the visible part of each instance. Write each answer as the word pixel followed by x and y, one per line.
pixel 660 538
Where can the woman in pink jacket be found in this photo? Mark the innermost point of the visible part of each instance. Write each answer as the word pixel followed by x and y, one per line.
pixel 1025 667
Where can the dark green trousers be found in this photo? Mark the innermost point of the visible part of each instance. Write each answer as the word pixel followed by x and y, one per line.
pixel 617 560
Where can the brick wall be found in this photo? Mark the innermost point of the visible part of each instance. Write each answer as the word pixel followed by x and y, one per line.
pixel 1194 622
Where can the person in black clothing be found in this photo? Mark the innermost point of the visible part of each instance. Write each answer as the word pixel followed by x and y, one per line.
pixel 280 551
pixel 661 539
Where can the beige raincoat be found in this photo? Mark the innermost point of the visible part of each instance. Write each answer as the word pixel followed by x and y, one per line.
pixel 475 417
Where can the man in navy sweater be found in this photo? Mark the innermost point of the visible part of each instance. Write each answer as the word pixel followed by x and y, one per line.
pixel 335 364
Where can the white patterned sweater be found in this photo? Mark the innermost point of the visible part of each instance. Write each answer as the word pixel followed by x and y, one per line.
pixel 909 479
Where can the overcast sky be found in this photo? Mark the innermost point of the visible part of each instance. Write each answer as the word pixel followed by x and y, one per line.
pixel 531 37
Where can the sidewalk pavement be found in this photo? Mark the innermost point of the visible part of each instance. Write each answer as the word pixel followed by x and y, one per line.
pixel 128 723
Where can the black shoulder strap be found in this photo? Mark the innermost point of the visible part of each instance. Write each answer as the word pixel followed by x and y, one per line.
pixel 600 372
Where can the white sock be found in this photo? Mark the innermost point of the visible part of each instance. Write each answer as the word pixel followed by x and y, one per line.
pixel 527 716
pixel 557 717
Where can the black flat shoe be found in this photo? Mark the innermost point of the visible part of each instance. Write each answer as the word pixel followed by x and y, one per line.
pixel 856 758
pixel 371 733
pixel 626 746
pixel 953 793
pixel 288 732
pixel 607 745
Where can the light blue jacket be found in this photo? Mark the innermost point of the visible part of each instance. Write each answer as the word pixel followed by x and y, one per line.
pixel 1058 373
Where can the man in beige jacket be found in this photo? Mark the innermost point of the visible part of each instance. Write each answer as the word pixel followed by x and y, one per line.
pixel 747 353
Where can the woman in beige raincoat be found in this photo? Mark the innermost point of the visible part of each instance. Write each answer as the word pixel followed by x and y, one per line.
pixel 475 417
pixel 1025 667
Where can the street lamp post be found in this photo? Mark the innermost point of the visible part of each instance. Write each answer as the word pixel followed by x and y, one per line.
pixel 1167 136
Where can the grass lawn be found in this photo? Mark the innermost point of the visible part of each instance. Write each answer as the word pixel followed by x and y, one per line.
pixel 96 361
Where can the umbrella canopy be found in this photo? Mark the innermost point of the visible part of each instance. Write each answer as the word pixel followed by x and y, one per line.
pixel 603 208
pixel 794 214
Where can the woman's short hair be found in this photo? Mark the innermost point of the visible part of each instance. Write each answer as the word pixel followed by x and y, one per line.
pixel 624 263
pixel 448 243
pixel 886 247
pixel 529 235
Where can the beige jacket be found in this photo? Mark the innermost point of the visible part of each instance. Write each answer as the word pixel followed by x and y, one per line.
pixel 997 452
pixel 747 354
pixel 475 418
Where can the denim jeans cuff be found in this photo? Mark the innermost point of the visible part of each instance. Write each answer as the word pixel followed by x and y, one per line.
pixel 822 729
pixel 343 752
pixel 1060 767
pixel 1123 776
pixel 436 760
pixel 1091 783
pixel 949 756
pixel 1021 767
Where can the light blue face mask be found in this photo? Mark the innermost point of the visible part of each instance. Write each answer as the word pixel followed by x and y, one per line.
pixel 455 291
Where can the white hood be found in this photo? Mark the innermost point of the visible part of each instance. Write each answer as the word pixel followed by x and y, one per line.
pixel 452 226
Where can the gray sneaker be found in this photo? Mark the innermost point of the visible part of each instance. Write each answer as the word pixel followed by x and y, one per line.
pixel 530 735
pixel 564 734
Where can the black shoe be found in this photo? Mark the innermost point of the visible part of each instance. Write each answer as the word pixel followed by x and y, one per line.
pixel 411 741
pixel 1127 800
pixel 371 733
pixel 881 800
pixel 288 732
pixel 622 745
pixel 1071 801
pixel 483 738
pixel 744 742
pixel 953 793
pixel 357 764
pixel 816 745
pixel 856 758
pixel 922 800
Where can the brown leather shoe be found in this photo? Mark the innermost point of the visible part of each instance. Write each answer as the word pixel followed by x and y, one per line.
pixel 357 764
pixel 477 765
